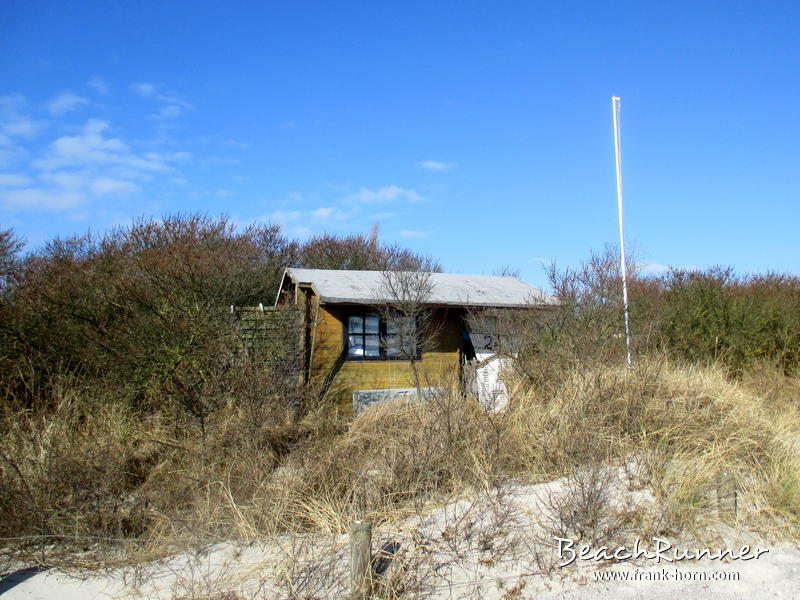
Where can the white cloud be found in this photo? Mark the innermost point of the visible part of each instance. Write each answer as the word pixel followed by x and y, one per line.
pixel 144 89
pixel 653 268
pixel 22 127
pixel 13 120
pixel 10 155
pixel 12 180
pixel 63 190
pixel 108 185
pixel 435 165
pixel 169 156
pixel 299 232
pixel 385 195
pixel 382 216
pixel 68 180
pixel 87 181
pixel 11 105
pixel 295 197
pixel 412 233
pixel 172 105
pixel 92 147
pixel 323 213
pixel 329 213
pixel 173 99
pixel 289 220
pixel 99 85
pixel 284 216
pixel 169 111
pixel 39 198
pixel 236 144
pixel 80 172
pixel 65 102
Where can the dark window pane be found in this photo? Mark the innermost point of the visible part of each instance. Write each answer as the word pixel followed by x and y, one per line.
pixel 365 339
pixel 392 346
pixel 355 345
pixel 355 324
pixel 371 324
pixel 372 345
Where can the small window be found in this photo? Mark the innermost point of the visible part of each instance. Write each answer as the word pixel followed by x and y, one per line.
pixel 371 336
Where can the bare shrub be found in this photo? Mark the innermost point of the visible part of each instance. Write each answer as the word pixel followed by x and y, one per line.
pixel 585 510
pixel 361 253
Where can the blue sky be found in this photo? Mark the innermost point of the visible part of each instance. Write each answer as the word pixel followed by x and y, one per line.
pixel 477 132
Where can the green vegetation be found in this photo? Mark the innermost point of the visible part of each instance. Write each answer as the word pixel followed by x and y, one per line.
pixel 129 411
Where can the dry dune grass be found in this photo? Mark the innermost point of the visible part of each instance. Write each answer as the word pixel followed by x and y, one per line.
pixel 681 427
pixel 102 470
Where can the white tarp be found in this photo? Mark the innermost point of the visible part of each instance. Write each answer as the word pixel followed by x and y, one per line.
pixel 492 391
pixel 363 398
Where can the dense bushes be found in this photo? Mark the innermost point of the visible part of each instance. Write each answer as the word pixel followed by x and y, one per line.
pixel 709 316
pixel 127 412
pixel 143 311
pixel 739 321
pixel 120 363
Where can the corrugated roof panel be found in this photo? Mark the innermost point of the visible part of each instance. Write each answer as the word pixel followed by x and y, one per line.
pixel 449 289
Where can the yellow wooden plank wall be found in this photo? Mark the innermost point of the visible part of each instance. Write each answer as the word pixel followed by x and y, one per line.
pixel 439 364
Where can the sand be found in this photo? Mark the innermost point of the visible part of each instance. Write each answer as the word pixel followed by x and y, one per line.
pixel 493 545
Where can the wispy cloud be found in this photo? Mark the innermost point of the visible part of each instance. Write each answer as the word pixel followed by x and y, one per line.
pixel 382 216
pixel 168 111
pixel 88 171
pixel 67 180
pixel 231 143
pixel 385 195
pixel 654 268
pixel 14 120
pixel 412 233
pixel 284 216
pixel 145 90
pixel 23 127
pixel 64 190
pixel 99 85
pixel 16 126
pixel 102 186
pixel 172 105
pixel 173 99
pixel 435 166
pixel 11 105
pixel 291 221
pixel 73 171
pixel 93 147
pixel 329 213
pixel 12 180
pixel 10 154
pixel 65 102
pixel 41 198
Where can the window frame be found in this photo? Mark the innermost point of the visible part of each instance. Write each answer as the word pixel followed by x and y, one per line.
pixel 382 337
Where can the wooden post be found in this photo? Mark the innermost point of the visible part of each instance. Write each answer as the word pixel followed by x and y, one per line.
pixel 360 556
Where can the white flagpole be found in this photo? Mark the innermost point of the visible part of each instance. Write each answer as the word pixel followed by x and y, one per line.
pixel 615 104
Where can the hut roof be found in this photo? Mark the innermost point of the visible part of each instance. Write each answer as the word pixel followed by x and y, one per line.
pixel 445 289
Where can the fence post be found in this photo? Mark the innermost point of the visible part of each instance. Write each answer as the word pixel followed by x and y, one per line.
pixel 360 556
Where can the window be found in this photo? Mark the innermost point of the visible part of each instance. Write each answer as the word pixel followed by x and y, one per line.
pixel 371 336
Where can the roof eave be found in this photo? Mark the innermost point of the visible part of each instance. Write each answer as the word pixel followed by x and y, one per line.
pixel 378 302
